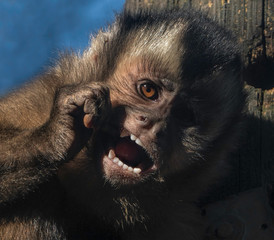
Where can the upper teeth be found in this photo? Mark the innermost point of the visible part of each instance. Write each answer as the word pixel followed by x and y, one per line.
pixel 116 160
pixel 132 137
pixel 111 154
pixel 137 140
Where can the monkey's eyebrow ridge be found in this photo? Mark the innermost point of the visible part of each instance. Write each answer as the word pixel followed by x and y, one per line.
pixel 168 84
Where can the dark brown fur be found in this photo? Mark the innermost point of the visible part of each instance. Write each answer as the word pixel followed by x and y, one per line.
pixel 52 181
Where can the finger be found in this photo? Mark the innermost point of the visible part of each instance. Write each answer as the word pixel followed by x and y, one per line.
pixel 88 121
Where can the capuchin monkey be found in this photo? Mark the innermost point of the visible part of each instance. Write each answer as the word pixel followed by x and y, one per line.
pixel 120 142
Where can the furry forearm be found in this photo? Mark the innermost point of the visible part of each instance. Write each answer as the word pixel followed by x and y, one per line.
pixel 27 158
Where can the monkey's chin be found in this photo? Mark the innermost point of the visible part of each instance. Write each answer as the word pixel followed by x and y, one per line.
pixel 127 163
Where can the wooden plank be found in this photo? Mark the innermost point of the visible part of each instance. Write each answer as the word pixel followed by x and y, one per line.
pixel 269 27
pixel 249 157
pixel 267 151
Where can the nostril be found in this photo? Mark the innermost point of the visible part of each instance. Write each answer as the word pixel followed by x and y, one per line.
pixel 144 122
pixel 141 118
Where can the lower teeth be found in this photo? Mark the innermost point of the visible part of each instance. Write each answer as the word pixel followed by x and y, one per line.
pixel 117 161
pixel 137 170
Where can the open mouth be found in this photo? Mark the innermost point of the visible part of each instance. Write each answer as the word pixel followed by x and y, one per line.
pixel 126 157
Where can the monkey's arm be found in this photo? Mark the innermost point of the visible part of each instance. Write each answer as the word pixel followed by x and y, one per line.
pixel 41 127
pixel 27 158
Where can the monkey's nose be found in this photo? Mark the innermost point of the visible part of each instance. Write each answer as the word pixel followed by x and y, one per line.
pixel 141 118
pixel 143 121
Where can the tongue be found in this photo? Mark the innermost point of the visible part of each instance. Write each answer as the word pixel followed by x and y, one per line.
pixel 129 152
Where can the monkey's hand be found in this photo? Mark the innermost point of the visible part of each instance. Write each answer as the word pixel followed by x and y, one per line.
pixel 77 111
pixel 30 156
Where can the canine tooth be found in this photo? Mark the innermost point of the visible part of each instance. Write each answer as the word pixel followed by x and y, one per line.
pixel 111 154
pixel 125 166
pixel 116 160
pixel 130 169
pixel 120 164
pixel 138 141
pixel 132 137
pixel 137 170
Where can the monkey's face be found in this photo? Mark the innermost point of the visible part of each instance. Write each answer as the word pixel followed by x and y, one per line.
pixel 136 130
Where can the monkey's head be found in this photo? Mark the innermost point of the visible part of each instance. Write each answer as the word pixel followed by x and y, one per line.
pixel 175 93
pixel 176 98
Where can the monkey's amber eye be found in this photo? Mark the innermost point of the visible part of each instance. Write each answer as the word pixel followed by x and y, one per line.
pixel 149 91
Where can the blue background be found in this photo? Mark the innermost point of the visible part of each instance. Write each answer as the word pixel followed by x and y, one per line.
pixel 32 32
